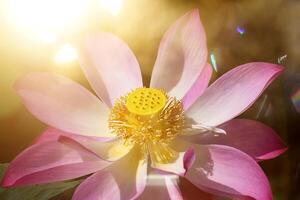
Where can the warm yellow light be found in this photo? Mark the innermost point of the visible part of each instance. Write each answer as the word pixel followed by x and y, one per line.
pixel 67 53
pixel 46 14
pixel 113 6
pixel 47 37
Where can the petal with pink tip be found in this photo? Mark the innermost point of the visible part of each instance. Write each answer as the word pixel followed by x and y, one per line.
pixel 110 67
pixel 109 150
pixel 181 56
pixel 251 137
pixel 50 162
pixel 198 88
pixel 226 171
pixel 125 179
pixel 64 104
pixel 233 93
pixel 160 186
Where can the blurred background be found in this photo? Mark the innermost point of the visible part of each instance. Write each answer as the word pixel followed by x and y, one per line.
pixel 44 35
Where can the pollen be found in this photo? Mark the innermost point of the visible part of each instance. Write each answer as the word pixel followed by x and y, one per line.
pixel 149 118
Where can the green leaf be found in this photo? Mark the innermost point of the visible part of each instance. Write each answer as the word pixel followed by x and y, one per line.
pixel 2 169
pixel 39 192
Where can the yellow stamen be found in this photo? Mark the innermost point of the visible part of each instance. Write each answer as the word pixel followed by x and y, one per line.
pixel 162 153
pixel 147 117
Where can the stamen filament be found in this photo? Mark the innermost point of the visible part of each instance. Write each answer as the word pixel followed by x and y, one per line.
pixel 135 119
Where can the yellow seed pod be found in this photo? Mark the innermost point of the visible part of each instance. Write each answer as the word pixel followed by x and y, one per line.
pixel 146 101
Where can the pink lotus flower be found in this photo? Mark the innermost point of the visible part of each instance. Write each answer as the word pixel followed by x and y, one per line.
pixel 174 122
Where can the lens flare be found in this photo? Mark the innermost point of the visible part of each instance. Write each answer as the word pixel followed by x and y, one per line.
pixel 158 180
pixel 67 53
pixel 213 61
pixel 240 30
pixel 295 97
pixel 262 106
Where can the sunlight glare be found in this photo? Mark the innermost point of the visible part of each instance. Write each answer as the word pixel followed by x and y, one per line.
pixel 67 53
pixel 113 6
pixel 47 37
pixel 40 15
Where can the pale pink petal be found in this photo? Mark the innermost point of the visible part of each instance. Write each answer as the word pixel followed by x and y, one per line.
pixel 181 56
pixel 178 166
pixel 50 162
pixel 64 104
pixel 233 93
pixel 198 88
pixel 173 189
pixel 125 179
pixel 110 150
pixel 226 171
pixel 53 134
pixel 161 186
pixel 251 137
pixel 110 67
pixel 101 185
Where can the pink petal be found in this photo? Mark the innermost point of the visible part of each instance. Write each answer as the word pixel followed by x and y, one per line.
pixel 50 162
pixel 179 166
pixel 189 159
pixel 125 179
pixel 53 134
pixel 181 56
pixel 64 104
pixel 162 187
pixel 110 67
pixel 173 189
pixel 233 93
pixel 251 137
pixel 226 171
pixel 198 88
pixel 109 150
pixel 101 185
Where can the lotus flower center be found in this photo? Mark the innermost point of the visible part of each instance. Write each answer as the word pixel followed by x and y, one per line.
pixel 145 101
pixel 147 117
